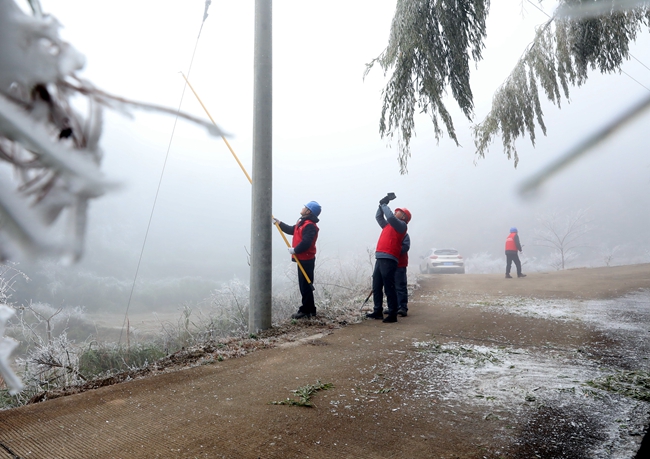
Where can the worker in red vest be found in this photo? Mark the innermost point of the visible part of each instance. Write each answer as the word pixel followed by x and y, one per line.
pixel 512 247
pixel 401 281
pixel 303 247
pixel 387 253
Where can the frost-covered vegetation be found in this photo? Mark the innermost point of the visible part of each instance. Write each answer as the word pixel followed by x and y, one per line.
pixel 59 347
pixel 578 389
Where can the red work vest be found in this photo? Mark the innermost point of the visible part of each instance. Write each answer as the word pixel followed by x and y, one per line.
pixel 510 242
pixel 390 241
pixel 403 261
pixel 310 253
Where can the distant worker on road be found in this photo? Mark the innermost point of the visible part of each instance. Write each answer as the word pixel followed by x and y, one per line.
pixel 512 247
pixel 303 247
pixel 387 253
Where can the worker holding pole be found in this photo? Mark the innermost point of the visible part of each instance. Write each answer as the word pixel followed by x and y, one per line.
pixel 303 249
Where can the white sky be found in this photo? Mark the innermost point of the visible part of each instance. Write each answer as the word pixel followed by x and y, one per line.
pixel 326 145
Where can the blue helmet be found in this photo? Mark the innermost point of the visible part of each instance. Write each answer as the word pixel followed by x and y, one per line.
pixel 314 207
pixel 513 230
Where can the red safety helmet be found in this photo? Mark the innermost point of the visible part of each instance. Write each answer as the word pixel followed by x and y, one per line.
pixel 406 212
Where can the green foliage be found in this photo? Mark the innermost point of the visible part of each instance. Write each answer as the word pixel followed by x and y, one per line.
pixel 305 393
pixel 428 51
pixel 634 384
pixel 462 353
pixel 106 359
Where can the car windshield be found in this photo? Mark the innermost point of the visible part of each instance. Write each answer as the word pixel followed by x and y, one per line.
pixel 446 252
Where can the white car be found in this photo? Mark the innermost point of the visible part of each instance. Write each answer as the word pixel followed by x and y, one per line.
pixel 442 261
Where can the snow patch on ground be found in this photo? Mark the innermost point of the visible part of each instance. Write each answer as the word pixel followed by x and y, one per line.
pixel 630 313
pixel 526 387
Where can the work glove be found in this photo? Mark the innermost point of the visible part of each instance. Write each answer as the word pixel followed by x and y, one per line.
pixel 291 250
pixel 386 199
pixel 276 221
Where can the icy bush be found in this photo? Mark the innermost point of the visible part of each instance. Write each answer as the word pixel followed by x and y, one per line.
pixel 52 364
pixel 37 324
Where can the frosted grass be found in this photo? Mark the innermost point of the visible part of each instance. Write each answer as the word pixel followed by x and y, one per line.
pixel 513 384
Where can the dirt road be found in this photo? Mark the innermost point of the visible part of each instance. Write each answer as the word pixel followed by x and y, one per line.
pixel 389 398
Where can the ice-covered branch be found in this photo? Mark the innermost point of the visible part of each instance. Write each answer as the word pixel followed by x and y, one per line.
pixel 53 149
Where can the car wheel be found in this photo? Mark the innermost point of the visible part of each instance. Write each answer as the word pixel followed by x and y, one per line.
pixel 429 270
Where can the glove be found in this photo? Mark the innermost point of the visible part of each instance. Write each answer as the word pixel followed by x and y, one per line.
pixel 276 221
pixel 388 198
pixel 291 250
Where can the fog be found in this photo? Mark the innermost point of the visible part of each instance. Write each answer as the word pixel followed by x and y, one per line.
pixel 326 145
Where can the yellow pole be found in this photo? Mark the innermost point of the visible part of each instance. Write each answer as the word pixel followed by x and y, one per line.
pixel 286 241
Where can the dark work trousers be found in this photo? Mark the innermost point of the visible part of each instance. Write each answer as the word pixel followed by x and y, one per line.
pixel 511 255
pixel 308 305
pixel 402 289
pixel 383 280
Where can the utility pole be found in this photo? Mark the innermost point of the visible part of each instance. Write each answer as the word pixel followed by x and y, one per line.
pixel 259 312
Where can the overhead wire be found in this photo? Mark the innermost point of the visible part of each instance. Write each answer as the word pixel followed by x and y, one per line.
pixel 162 172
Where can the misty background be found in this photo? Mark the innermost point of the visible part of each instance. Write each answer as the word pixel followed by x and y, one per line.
pixel 326 147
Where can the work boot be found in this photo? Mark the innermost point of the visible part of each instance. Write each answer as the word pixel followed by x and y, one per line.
pixel 374 315
pixel 521 275
pixel 302 315
pixel 508 276
pixel 402 312
pixel 390 319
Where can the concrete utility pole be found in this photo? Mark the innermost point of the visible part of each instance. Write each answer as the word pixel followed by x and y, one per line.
pixel 259 313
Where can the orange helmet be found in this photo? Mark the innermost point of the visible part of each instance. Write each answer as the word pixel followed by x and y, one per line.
pixel 406 212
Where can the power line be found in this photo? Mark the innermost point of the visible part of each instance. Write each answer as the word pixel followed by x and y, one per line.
pixel 631 55
pixel 633 79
